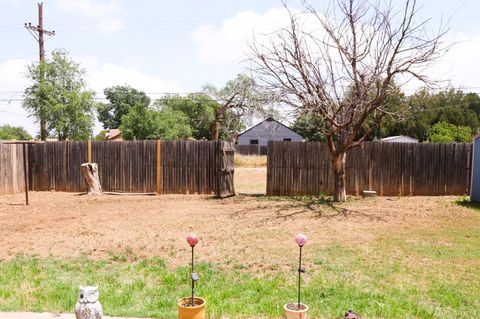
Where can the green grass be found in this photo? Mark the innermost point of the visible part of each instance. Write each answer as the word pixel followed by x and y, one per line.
pixel 466 202
pixel 427 272
pixel 391 278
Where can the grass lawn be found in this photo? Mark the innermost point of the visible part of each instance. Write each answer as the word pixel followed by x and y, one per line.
pixel 382 257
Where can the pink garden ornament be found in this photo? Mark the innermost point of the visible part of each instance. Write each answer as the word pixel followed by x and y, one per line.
pixel 192 240
pixel 301 240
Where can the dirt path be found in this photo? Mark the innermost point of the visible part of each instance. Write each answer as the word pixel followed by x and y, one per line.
pixel 250 180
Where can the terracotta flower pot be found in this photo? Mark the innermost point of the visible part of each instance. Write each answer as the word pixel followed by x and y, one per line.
pixel 293 312
pixel 185 311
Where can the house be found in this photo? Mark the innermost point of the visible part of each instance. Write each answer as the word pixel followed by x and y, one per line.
pixel 114 134
pixel 399 139
pixel 267 130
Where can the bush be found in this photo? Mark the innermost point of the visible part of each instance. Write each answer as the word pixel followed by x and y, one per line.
pixel 444 132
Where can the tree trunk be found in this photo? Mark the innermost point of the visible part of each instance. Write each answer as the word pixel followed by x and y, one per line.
pixel 90 173
pixel 340 180
pixel 215 131
pixel 217 124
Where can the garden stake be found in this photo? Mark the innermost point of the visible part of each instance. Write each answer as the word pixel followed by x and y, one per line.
pixel 297 310
pixel 299 275
pixel 193 280
pixel 192 240
pixel 192 307
pixel 301 240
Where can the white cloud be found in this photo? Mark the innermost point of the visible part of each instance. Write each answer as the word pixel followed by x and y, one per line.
pixel 100 76
pixel 107 11
pixel 227 43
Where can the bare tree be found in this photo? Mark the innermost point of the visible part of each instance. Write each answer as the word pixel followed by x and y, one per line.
pixel 339 65
pixel 238 99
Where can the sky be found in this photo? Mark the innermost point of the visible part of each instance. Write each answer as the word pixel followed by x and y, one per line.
pixel 178 46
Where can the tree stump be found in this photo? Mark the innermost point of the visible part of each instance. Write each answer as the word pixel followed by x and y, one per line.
pixel 90 173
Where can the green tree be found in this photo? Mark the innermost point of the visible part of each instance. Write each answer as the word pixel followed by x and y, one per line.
pixel 394 113
pixel 308 127
pixel 8 132
pixel 144 123
pixel 444 132
pixel 101 136
pixel 473 101
pixel 121 99
pixel 67 104
pixel 198 108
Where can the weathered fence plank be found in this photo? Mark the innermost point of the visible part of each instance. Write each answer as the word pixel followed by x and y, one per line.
pixel 129 166
pixel 11 169
pixel 391 169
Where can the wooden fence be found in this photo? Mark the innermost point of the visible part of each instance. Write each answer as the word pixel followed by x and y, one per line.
pixel 132 166
pixel 389 168
pixel 251 149
pixel 11 169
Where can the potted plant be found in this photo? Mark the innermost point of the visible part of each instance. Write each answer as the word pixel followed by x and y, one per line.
pixel 192 307
pixel 298 310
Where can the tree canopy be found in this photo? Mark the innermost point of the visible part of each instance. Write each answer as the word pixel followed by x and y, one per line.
pixel 415 115
pixel 444 132
pixel 308 127
pixel 67 105
pixel 8 132
pixel 121 99
pixel 145 123
pixel 198 108
pixel 424 109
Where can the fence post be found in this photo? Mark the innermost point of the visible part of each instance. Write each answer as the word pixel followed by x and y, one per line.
pixel 218 167
pixel 159 168
pixel 89 151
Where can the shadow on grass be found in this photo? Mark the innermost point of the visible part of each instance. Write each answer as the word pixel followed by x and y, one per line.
pixel 466 202
pixel 321 206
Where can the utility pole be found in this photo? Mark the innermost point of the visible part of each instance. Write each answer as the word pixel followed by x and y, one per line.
pixel 38 33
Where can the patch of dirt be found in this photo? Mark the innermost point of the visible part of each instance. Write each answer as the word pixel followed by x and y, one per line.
pixel 250 180
pixel 257 231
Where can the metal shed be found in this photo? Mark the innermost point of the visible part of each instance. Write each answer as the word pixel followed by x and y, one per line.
pixel 475 178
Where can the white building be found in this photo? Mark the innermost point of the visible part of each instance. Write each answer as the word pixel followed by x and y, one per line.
pixel 399 139
pixel 268 130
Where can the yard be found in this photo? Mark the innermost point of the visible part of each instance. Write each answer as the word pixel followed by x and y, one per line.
pixel 388 257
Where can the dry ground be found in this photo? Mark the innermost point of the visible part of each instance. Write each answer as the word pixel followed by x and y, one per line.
pixel 387 257
pixel 250 180
pixel 233 230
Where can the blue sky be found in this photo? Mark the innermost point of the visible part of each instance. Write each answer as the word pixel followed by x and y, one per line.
pixel 177 46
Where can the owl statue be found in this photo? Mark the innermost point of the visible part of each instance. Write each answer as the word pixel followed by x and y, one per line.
pixel 88 306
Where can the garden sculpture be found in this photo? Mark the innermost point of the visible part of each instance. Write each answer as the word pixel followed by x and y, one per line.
pixel 88 306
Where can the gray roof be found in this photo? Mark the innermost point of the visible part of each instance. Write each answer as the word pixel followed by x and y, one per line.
pixel 400 138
